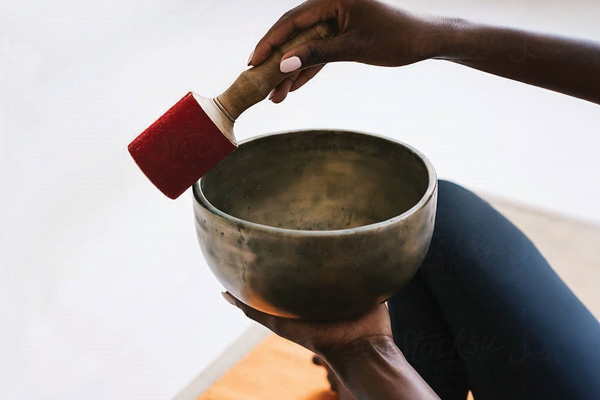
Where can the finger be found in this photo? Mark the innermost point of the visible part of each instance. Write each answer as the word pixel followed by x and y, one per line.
pixel 281 91
pixel 331 377
pixel 333 381
pixel 305 76
pixel 299 18
pixel 252 313
pixel 318 52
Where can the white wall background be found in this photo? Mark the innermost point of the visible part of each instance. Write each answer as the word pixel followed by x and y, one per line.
pixel 103 290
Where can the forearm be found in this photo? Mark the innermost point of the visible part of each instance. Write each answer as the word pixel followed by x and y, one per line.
pixel 374 368
pixel 569 66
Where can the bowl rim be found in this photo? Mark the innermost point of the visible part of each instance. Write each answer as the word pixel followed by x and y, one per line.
pixel 200 199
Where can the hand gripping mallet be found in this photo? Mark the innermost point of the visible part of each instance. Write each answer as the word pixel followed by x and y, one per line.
pixel 197 132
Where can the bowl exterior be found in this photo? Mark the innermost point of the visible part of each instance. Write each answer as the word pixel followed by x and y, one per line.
pixel 315 275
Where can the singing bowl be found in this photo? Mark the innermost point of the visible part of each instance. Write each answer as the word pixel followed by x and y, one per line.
pixel 320 224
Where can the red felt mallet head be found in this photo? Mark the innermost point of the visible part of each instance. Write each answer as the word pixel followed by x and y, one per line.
pixel 197 133
pixel 183 144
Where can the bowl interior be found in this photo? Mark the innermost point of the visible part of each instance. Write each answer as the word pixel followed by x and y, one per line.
pixel 317 180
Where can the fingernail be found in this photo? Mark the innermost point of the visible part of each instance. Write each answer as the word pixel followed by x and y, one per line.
pixel 290 64
pixel 229 298
pixel 250 58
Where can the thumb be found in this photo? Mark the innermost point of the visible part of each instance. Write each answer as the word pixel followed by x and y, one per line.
pixel 316 52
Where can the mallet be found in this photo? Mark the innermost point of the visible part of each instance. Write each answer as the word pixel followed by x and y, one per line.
pixel 197 132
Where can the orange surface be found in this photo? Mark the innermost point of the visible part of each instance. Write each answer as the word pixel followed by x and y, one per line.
pixel 275 369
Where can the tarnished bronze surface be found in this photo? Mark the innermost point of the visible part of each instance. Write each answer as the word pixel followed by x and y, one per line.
pixel 316 224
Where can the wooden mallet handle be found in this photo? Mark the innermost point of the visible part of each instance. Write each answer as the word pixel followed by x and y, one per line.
pixel 255 84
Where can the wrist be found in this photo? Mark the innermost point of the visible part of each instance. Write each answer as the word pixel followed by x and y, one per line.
pixel 375 346
pixel 453 38
pixel 373 367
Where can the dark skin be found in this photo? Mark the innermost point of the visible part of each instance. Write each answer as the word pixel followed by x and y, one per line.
pixel 360 354
pixel 378 34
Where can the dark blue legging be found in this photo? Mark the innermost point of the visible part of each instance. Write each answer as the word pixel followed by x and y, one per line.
pixel 487 313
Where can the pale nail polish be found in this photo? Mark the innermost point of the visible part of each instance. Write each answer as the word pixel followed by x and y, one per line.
pixel 250 58
pixel 229 298
pixel 290 64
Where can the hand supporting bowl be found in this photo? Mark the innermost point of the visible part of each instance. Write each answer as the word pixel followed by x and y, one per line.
pixel 316 224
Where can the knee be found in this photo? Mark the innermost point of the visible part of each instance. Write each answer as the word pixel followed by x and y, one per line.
pixel 456 203
pixel 450 193
pixel 451 187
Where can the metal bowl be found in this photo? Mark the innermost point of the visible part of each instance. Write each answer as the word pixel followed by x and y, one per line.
pixel 316 224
